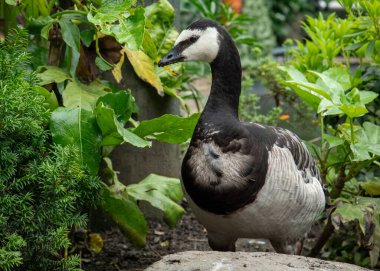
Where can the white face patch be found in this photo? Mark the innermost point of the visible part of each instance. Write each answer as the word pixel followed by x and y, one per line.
pixel 206 48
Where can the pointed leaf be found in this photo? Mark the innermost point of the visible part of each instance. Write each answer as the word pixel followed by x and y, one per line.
pixel 163 193
pixel 168 128
pixel 50 74
pixel 122 102
pixel 78 127
pixel 113 131
pixel 84 96
pixel 126 214
pixel 70 34
pixel 367 96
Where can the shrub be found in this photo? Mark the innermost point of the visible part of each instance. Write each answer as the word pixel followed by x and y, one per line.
pixel 43 189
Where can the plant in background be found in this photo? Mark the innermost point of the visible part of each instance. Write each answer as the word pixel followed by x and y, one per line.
pixel 99 36
pixel 349 149
pixel 44 190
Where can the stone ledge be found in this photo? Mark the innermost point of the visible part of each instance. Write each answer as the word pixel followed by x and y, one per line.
pixel 245 261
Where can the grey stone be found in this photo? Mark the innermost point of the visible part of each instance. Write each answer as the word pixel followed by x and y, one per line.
pixel 245 261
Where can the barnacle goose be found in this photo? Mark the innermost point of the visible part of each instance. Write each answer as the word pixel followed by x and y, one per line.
pixel 243 180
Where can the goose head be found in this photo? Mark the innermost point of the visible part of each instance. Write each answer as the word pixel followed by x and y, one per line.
pixel 199 41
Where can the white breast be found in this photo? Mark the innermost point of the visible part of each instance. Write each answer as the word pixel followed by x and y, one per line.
pixel 284 210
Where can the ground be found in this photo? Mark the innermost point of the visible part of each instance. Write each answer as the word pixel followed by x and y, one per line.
pixel 118 254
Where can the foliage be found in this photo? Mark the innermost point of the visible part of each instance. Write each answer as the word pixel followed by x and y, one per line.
pixel 93 116
pixel 249 108
pixel 284 14
pixel 345 100
pixel 44 190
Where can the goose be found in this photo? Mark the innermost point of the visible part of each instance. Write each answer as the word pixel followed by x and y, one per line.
pixel 243 180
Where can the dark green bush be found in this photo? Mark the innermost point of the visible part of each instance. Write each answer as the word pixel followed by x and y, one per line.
pixel 43 189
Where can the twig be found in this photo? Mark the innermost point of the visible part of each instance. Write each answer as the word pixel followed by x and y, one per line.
pixel 154 251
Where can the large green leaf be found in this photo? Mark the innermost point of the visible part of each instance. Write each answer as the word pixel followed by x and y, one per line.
pixel 113 131
pixel 84 96
pixel 163 193
pixel 168 128
pixel 368 141
pixel 122 102
pixel 76 126
pixel 121 21
pixel 70 34
pixel 125 213
pixel 50 74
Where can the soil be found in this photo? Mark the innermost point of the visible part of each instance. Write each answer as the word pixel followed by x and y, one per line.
pixel 118 254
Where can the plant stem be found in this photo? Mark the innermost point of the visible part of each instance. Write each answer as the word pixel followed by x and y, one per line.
pixel 325 235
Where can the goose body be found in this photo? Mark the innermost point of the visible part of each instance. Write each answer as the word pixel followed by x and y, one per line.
pixel 243 180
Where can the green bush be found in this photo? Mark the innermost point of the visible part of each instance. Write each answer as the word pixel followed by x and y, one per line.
pixel 43 189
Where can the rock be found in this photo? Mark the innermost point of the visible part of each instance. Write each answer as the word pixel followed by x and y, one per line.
pixel 245 261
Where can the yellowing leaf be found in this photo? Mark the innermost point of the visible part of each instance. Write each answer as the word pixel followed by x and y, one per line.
pixel 145 69
pixel 116 71
pixel 95 242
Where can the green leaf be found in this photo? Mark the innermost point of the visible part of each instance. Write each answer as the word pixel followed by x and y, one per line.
pixel 87 36
pixel 163 193
pixel 353 110
pixel 348 212
pixel 333 140
pixel 102 64
pixel 50 98
pixel 84 96
pixel 113 131
pixel 161 16
pixel 368 141
pixel 168 128
pixel 294 74
pixel 12 2
pixel 122 102
pixel 125 213
pixel 372 188
pixel 70 34
pixel 50 74
pixel 78 127
pixel 134 30
pixel 149 46
pixel 367 96
pixel 46 29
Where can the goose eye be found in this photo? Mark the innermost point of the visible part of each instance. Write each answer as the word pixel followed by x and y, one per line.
pixel 193 39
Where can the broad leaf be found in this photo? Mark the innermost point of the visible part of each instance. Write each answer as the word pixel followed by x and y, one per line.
pixel 145 69
pixel 122 102
pixel 367 96
pixel 368 141
pixel 50 74
pixel 163 193
pixel 102 64
pixel 113 131
pixel 372 188
pixel 125 213
pixel 70 34
pixel 333 140
pixel 168 128
pixel 78 127
pixel 84 96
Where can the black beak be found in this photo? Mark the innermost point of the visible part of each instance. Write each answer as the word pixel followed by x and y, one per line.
pixel 173 56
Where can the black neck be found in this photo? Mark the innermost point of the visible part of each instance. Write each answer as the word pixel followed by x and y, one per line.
pixel 226 79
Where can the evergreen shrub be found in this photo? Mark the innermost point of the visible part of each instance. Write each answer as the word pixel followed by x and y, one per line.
pixel 44 191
